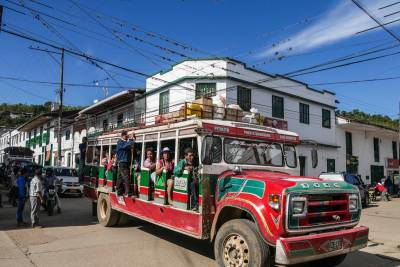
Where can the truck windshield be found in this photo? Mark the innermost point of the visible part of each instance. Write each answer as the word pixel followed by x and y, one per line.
pixel 252 152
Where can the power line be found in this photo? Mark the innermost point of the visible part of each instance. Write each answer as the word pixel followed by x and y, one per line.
pixel 395 3
pixel 391 14
pixel 356 2
pixel 375 27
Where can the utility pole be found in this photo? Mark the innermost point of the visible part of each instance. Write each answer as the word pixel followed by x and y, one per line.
pixel 60 109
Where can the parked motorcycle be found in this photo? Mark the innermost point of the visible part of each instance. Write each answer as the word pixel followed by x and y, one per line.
pixel 378 191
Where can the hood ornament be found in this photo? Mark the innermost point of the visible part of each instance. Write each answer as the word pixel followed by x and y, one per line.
pixel 336 218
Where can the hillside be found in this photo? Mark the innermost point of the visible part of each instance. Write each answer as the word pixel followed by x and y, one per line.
pixel 12 115
pixel 377 119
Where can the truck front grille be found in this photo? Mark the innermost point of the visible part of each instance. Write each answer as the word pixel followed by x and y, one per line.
pixel 322 210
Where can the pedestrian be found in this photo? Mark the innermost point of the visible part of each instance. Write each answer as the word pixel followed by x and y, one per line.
pixel 388 184
pixel 82 157
pixel 22 195
pixel 124 146
pixel 13 193
pixel 36 197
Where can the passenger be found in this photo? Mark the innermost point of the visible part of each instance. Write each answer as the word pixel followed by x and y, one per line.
pixel 150 163
pixel 124 146
pixel 167 164
pixel 187 164
pixel 13 193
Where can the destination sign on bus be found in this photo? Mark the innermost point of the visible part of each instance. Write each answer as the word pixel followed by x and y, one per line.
pixel 249 133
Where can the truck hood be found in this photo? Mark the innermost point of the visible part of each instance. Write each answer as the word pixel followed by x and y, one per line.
pixel 279 182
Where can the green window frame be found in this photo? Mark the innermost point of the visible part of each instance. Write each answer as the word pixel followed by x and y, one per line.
pixel 326 118
pixel 205 90
pixel 164 102
pixel 277 107
pixel 244 98
pixel 120 119
pixel 304 111
pixel 376 149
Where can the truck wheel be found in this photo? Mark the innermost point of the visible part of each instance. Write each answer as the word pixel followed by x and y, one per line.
pixel 330 262
pixel 105 214
pixel 238 243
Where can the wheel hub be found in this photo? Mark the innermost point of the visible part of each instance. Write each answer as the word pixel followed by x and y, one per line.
pixel 103 209
pixel 236 251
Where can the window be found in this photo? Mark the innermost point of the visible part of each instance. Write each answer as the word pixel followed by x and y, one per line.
pixel 67 134
pixel 244 98
pixel 376 149
pixel 120 119
pixel 330 165
pixel 206 89
pixel 164 102
pixel 105 125
pixel 349 144
pixel 211 149
pixel 394 148
pixel 277 107
pixel 304 111
pixel 290 156
pixel 252 152
pixel 326 118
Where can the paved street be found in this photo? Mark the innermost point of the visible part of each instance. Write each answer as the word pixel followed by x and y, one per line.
pixel 74 238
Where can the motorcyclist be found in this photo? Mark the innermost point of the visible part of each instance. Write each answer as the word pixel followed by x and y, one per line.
pixel 50 179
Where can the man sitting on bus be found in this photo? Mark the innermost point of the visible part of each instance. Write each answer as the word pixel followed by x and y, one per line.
pixel 187 164
pixel 124 146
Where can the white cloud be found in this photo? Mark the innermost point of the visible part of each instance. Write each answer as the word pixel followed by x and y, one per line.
pixel 340 23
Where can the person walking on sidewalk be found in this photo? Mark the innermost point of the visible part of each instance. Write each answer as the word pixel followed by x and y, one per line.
pixel 36 197
pixel 21 184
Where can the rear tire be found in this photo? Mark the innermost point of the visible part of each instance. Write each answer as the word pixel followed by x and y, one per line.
pixel 123 219
pixel 105 214
pixel 239 243
pixel 329 262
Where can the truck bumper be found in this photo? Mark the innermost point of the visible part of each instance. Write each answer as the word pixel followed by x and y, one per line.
pixel 293 250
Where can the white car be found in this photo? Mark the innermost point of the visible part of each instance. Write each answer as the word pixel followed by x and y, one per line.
pixel 70 180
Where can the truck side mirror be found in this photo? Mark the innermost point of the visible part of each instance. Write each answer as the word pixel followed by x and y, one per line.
pixel 314 157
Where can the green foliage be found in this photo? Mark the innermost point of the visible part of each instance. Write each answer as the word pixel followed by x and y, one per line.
pixel 377 119
pixel 12 115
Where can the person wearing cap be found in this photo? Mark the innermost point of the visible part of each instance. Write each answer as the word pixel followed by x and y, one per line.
pixel 36 197
pixel 165 163
pixel 124 147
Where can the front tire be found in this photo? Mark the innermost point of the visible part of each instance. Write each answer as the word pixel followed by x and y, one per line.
pixel 239 243
pixel 105 214
pixel 50 208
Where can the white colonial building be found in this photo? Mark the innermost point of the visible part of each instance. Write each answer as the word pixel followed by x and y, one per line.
pixel 367 149
pixel 287 103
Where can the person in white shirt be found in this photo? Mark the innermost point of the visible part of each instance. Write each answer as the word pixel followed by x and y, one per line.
pixel 36 197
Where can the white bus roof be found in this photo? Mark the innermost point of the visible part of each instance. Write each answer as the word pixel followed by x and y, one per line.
pixel 218 127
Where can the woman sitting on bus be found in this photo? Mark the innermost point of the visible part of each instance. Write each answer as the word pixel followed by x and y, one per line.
pixel 168 165
pixel 150 163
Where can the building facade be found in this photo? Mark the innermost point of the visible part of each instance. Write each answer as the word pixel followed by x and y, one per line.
pixel 367 149
pixel 290 103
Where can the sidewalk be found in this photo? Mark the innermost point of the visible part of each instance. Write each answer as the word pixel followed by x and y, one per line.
pixel 10 254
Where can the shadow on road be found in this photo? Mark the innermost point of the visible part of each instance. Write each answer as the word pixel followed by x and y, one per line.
pixel 202 247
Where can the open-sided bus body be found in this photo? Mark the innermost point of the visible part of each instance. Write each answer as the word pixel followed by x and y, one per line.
pixel 252 203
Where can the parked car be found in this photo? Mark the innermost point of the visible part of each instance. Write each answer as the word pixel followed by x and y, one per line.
pixel 351 179
pixel 70 184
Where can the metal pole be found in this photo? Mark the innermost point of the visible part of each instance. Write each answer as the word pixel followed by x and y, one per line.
pixel 60 109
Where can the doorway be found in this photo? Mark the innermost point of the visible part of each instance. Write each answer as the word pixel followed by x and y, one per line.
pixel 376 173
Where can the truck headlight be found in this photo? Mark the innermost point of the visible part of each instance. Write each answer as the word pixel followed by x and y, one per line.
pixel 299 206
pixel 353 202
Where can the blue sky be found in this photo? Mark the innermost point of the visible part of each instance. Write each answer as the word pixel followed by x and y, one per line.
pixel 300 33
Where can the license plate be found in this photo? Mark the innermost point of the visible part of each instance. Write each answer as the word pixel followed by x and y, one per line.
pixel 335 244
pixel 73 190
